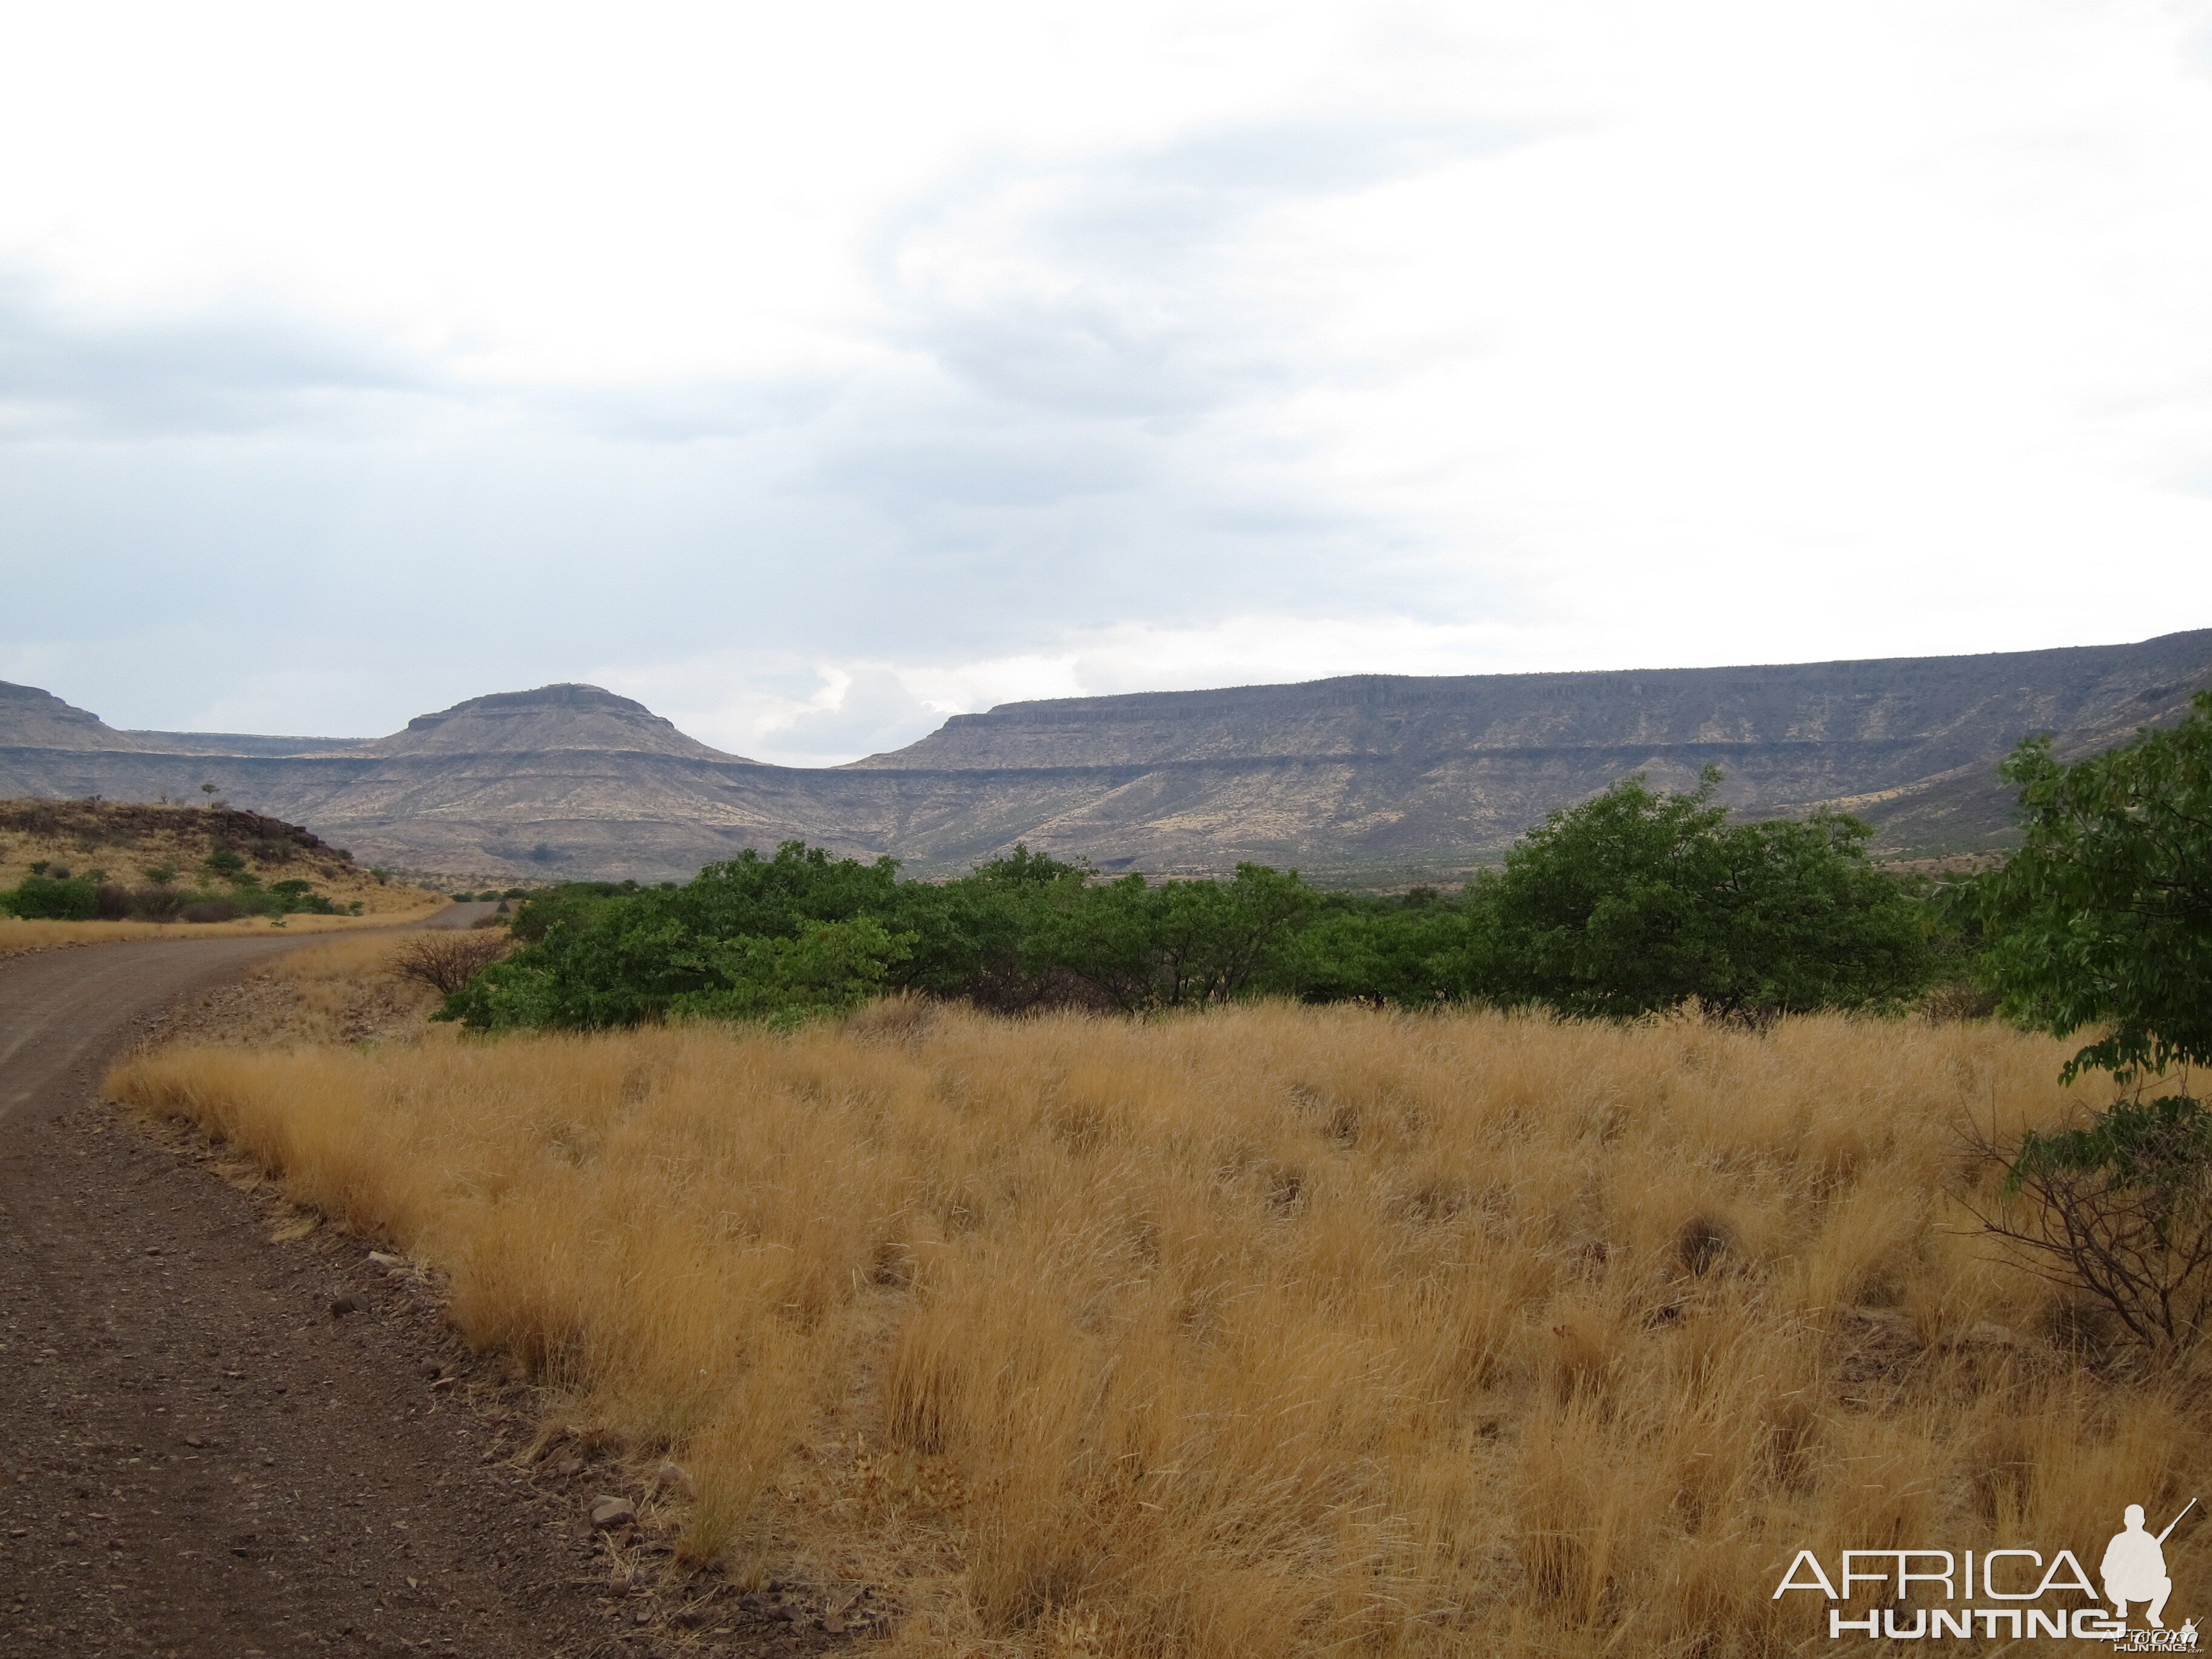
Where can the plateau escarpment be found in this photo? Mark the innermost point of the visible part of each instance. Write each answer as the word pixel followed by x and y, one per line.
pixel 1369 776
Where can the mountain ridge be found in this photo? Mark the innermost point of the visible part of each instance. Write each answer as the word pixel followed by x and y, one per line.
pixel 1354 777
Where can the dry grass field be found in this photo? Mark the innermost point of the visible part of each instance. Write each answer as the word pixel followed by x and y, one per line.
pixel 1278 1331
pixel 17 935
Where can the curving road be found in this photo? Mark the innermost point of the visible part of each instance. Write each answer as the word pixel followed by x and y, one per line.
pixel 197 1457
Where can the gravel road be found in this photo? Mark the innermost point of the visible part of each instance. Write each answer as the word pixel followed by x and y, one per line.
pixel 198 1457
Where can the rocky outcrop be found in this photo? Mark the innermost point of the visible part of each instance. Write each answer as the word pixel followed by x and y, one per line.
pixel 1371 776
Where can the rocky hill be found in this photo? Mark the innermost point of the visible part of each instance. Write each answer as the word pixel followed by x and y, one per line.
pixel 135 845
pixel 1366 777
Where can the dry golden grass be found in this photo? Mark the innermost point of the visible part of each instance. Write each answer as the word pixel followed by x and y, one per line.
pixel 346 991
pixel 17 935
pixel 1273 1332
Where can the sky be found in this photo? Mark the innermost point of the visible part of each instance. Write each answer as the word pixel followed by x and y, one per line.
pixel 810 373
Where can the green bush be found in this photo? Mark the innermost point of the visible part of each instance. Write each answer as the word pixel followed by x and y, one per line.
pixel 2103 920
pixel 55 899
pixel 1638 901
pixel 2104 917
pixel 1632 901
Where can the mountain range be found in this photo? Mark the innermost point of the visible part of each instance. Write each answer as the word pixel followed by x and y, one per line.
pixel 1370 777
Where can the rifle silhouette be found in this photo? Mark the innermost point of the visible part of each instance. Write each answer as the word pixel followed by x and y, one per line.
pixel 2176 1522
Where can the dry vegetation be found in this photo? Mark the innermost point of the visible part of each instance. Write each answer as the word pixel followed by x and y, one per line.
pixel 128 841
pixel 17 935
pixel 1275 1331
pixel 351 990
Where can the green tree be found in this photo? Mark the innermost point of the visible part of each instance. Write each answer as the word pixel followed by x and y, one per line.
pixel 1638 900
pixel 1406 949
pixel 779 938
pixel 2104 916
pixel 1180 943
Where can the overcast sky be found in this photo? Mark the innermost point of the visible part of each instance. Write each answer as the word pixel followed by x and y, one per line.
pixel 812 371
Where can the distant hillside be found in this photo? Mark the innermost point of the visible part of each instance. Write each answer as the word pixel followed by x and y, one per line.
pixel 1367 777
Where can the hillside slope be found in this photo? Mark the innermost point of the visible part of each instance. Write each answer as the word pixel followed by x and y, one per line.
pixel 137 845
pixel 1371 775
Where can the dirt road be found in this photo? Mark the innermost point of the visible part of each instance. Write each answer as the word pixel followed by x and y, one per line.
pixel 198 1457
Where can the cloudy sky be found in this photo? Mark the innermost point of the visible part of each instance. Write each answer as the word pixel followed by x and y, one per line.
pixel 811 372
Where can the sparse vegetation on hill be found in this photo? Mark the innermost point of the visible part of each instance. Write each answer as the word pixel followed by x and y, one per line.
pixel 86 860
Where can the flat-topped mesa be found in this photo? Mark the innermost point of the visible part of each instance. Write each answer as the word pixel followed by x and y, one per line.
pixel 552 718
pixel 1948 711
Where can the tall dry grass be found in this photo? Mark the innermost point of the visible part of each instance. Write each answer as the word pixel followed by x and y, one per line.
pixel 18 935
pixel 1275 1331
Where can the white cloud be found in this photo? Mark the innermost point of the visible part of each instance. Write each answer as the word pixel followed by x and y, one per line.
pixel 810 373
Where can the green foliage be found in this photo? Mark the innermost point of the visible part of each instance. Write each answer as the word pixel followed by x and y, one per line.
pixel 2104 917
pixel 1632 901
pixel 1179 944
pixel 48 899
pixel 1636 901
pixel 1408 950
pixel 225 863
pixel 778 939
pixel 54 898
pixel 2164 1143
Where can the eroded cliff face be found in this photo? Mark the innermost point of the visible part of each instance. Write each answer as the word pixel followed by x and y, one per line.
pixel 1366 777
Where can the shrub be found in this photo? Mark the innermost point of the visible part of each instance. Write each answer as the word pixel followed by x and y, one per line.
pixel 157 903
pixel 2104 917
pixel 1638 901
pixel 225 862
pixel 55 899
pixel 210 910
pixel 2122 1210
pixel 447 961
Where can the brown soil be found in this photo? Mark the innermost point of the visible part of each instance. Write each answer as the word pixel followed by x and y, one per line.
pixel 199 1457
